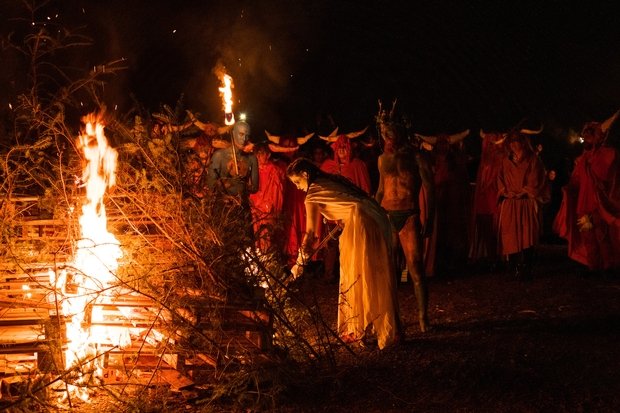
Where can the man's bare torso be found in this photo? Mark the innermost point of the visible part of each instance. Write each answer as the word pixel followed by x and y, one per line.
pixel 401 181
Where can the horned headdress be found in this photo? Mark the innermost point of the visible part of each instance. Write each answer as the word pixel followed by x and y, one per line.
pixel 276 142
pixel 385 118
pixel 599 128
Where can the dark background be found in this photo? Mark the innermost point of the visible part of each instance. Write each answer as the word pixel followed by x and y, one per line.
pixel 451 65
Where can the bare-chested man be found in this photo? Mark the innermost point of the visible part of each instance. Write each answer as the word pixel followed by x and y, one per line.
pixel 403 172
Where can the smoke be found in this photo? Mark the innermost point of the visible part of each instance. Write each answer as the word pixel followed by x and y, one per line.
pixel 262 46
pixel 178 48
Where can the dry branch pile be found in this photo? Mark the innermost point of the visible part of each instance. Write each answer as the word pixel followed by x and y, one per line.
pixel 209 320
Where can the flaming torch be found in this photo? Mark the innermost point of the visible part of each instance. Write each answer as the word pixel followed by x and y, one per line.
pixel 226 93
pixel 88 281
pixel 229 116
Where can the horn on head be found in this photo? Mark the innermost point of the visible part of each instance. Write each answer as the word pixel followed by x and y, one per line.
pixel 370 144
pixel 330 138
pixel 282 149
pixel 501 137
pixel 501 140
pixel 428 139
pixel 610 121
pixel 457 137
pixel 272 138
pixel 532 131
pixel 426 146
pixel 304 139
pixel 393 109
pixel 352 135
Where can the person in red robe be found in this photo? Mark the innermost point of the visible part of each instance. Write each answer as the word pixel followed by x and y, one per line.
pixel 522 189
pixel 266 203
pixel 446 248
pixel 343 163
pixel 293 209
pixel 485 209
pixel 483 240
pixel 589 217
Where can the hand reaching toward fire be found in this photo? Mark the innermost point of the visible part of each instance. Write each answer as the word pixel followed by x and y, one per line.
pixel 297 271
pixel 302 259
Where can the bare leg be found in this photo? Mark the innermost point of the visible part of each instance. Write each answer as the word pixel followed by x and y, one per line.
pixel 411 244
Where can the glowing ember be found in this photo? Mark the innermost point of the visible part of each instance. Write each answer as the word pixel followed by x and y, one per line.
pixel 89 281
pixel 226 93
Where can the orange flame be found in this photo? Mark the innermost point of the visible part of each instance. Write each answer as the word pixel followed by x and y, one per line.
pixel 91 276
pixel 226 93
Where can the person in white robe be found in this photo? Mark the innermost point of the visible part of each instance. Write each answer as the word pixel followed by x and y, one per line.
pixel 368 292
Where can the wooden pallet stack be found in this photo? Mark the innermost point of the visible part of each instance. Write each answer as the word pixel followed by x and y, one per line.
pixel 31 328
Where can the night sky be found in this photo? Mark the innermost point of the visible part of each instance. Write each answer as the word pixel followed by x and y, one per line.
pixel 451 65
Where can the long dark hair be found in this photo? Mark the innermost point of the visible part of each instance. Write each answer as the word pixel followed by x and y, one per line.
pixel 300 165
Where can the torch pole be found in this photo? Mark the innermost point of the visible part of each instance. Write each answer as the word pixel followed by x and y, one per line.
pixel 234 152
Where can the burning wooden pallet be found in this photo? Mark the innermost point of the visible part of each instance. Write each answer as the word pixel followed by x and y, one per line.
pixel 32 337
pixel 25 320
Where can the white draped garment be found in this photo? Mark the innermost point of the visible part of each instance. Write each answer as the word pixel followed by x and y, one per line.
pixel 367 294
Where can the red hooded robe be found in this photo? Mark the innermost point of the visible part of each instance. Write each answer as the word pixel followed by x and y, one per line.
pixel 594 190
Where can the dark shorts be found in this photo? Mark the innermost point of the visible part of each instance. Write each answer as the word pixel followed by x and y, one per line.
pixel 399 218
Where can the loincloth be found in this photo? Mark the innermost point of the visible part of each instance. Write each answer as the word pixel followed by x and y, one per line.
pixel 399 218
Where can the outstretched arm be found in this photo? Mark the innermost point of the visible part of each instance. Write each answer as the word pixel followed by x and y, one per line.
pixel 309 238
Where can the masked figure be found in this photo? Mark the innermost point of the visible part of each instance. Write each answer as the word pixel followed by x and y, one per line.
pixel 446 248
pixel 522 190
pixel 345 163
pixel 403 173
pixel 286 149
pixel 589 217
pixel 234 169
pixel 483 242
pixel 354 169
pixel 268 201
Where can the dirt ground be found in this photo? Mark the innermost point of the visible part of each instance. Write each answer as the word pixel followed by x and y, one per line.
pixel 497 345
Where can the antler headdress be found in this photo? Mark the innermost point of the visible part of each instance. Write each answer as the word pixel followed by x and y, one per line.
pixel 384 117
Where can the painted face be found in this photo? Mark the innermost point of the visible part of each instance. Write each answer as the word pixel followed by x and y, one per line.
pixel 300 181
pixel 342 149
pixel 241 133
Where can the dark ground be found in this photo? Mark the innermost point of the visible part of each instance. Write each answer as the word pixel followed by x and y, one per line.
pixel 497 345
